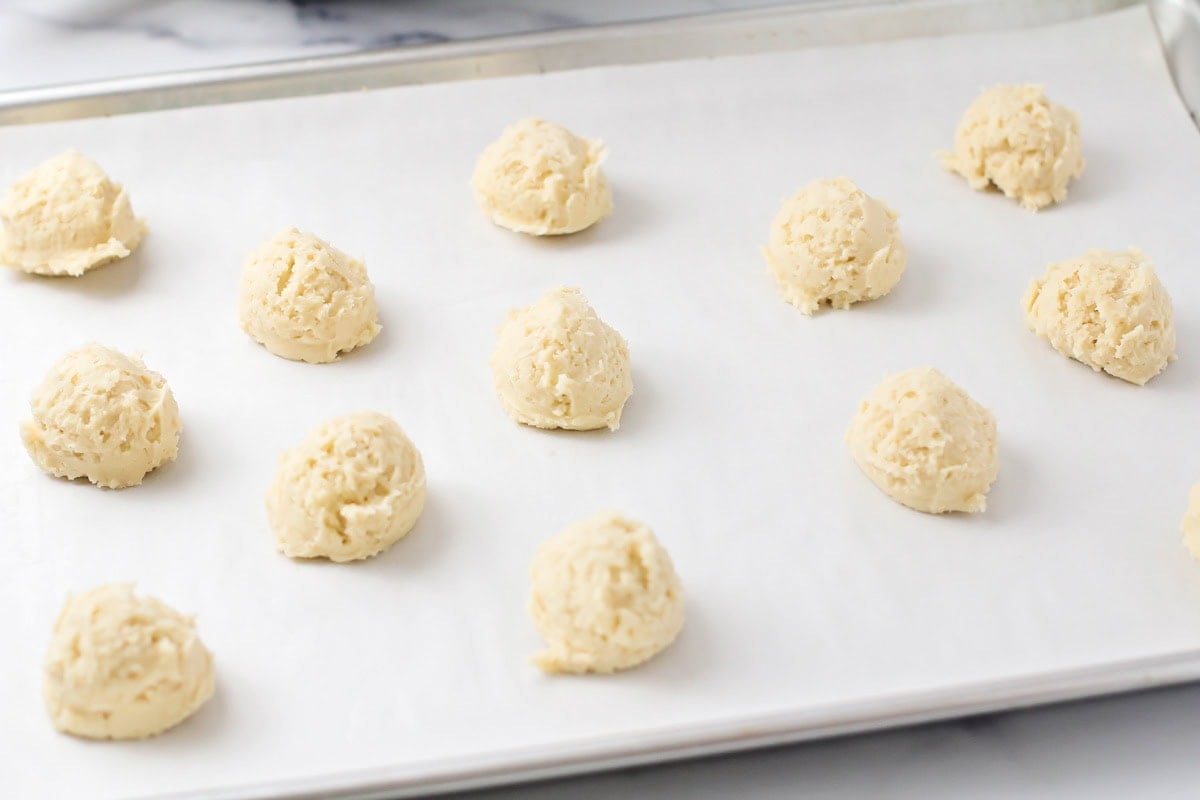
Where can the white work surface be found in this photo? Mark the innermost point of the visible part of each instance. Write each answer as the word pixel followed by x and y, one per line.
pixel 806 586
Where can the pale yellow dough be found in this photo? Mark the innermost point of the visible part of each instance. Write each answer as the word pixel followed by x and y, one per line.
pixel 305 300
pixel 926 443
pixel 102 415
pixel 558 365
pixel 1190 527
pixel 353 487
pixel 66 217
pixel 1106 309
pixel 124 667
pixel 1014 138
pixel 605 596
pixel 833 243
pixel 539 178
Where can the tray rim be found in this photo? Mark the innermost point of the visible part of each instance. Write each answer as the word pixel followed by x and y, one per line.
pixel 775 28
pixel 508 767
pixel 787 26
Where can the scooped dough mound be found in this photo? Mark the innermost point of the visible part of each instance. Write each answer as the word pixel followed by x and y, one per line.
pixel 66 217
pixel 101 415
pixel 540 178
pixel 1014 138
pixel 305 300
pixel 832 243
pixel 605 596
pixel 558 365
pixel 1190 527
pixel 350 490
pixel 124 667
pixel 1106 309
pixel 926 443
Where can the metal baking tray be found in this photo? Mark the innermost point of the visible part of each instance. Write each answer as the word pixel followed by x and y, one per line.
pixel 740 33
pixel 782 27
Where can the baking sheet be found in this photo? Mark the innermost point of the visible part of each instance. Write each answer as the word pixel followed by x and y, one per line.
pixel 807 588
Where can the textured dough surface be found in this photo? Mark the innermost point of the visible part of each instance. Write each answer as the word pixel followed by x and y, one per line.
pixel 1014 138
pixel 102 415
pixel 124 667
pixel 833 243
pixel 540 178
pixel 558 365
pixel 605 596
pixel 353 487
pixel 305 300
pixel 66 217
pixel 1106 309
pixel 1190 527
pixel 926 443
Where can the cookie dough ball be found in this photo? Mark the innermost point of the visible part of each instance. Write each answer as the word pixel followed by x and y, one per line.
pixel 833 243
pixel 1190 527
pixel 350 490
pixel 101 415
pixel 540 178
pixel 1014 138
pixel 305 300
pixel 925 442
pixel 65 218
pixel 558 365
pixel 124 667
pixel 1106 309
pixel 605 596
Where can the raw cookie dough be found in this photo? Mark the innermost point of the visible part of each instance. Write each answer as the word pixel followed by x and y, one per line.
pixel 1014 138
pixel 540 178
pixel 351 489
pixel 100 414
pixel 305 300
pixel 833 243
pixel 66 217
pixel 124 667
pixel 925 442
pixel 1106 309
pixel 1190 527
pixel 605 596
pixel 558 365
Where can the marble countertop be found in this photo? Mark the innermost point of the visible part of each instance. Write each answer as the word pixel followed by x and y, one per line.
pixel 44 42
pixel 1141 746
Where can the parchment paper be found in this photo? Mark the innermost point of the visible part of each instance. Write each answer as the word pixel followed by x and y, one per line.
pixel 806 585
